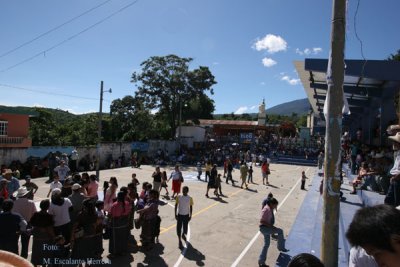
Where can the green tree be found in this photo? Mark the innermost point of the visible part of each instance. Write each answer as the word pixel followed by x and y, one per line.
pixel 43 128
pixel 130 120
pixel 395 57
pixel 166 83
pixel 200 107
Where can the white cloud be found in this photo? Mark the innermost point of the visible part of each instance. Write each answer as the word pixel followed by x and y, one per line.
pixel 39 105
pixel 241 110
pixel 309 51
pixel 268 62
pixel 289 80
pixel 271 43
pixel 215 63
pixel 262 83
pixel 253 107
pixel 317 50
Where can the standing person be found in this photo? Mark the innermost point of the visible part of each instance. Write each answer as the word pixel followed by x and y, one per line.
pixel 320 160
pixel 218 185
pixel 250 178
pixel 54 184
pixel 93 187
pixel 119 223
pixel 267 228
pixel 377 230
pixel 164 183
pixel 225 167
pixel 243 174
pixel 62 170
pixel 208 169
pixel 12 182
pixel 52 166
pixel 74 160
pixel 156 179
pixel 199 170
pixel 229 174
pixel 110 194
pixel 3 189
pixel 43 233
pixel 177 180
pixel 76 198
pixel 10 225
pixel 212 180
pixel 265 172
pixel 303 180
pixel 183 214
pixel 31 186
pixel 60 208
pixel 26 208
pixel 151 220
pixel 84 235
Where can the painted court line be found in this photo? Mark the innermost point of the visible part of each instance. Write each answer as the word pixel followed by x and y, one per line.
pixel 246 249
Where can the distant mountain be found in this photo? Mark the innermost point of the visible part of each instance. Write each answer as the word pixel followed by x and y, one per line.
pixel 300 106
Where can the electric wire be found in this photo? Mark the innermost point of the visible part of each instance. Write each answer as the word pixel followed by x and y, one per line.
pixel 47 92
pixel 52 29
pixel 69 38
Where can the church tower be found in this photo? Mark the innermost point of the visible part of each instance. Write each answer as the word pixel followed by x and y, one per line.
pixel 261 114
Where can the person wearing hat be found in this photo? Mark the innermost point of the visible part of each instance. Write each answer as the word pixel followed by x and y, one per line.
pixel 26 208
pixel 10 226
pixel 60 208
pixel 13 183
pixel 76 198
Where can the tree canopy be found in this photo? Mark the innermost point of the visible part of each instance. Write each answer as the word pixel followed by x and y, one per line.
pixel 166 84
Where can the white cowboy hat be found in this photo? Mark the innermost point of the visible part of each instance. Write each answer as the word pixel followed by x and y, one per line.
pixel 76 186
pixel 22 191
pixel 395 137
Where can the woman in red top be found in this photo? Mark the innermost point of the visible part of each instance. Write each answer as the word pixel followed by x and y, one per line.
pixel 119 224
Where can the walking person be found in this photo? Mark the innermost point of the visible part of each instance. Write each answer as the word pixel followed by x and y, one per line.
pixel 164 183
pixel 119 224
pixel 303 180
pixel 267 228
pixel 199 170
pixel 250 178
pixel 243 174
pixel 211 181
pixel 183 214
pixel 229 169
pixel 218 185
pixel 62 171
pixel 177 179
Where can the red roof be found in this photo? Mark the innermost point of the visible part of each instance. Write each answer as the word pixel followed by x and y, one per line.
pixel 228 122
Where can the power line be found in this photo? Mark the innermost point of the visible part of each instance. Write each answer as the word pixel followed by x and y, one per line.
pixel 46 92
pixel 52 29
pixel 69 38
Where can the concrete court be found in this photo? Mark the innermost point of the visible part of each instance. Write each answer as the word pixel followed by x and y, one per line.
pixel 221 229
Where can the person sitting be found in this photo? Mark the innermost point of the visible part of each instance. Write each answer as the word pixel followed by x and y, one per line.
pixel 377 230
pixel 363 173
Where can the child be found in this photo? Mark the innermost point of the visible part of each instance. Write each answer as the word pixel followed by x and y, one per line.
pixel 135 181
pixel 164 184
pixel 303 180
pixel 250 178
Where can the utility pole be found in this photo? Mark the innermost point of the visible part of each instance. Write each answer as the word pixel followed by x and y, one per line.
pixel 333 117
pixel 99 131
pixel 180 118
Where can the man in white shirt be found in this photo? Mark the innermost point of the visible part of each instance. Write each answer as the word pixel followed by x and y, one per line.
pixel 55 184
pixel 183 214
pixel 62 171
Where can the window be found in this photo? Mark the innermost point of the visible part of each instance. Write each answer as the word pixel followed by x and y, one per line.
pixel 3 128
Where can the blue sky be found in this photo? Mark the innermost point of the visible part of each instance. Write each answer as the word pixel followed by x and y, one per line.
pixel 249 45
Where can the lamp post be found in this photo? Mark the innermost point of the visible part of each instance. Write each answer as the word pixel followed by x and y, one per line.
pixel 99 130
